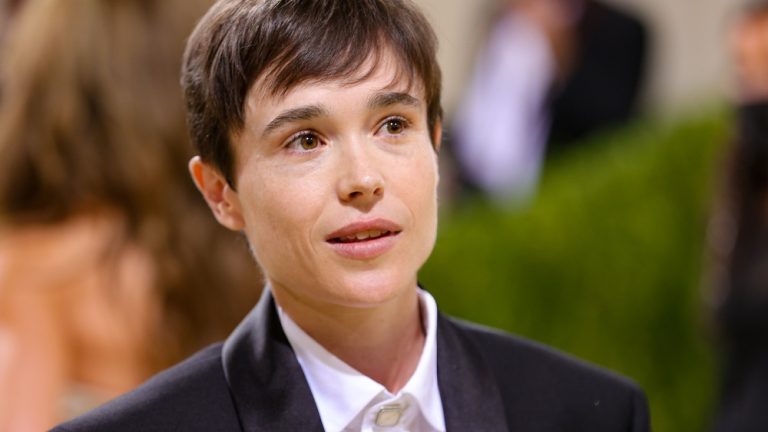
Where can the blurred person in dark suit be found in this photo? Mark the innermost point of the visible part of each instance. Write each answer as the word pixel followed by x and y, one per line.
pixel 110 267
pixel 603 72
pixel 739 238
pixel 553 72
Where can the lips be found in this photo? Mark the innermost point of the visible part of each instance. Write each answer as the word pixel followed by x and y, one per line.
pixel 365 239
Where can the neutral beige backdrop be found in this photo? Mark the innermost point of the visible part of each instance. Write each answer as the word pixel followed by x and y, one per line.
pixel 688 65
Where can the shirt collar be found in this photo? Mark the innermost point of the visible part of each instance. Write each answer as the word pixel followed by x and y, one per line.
pixel 341 393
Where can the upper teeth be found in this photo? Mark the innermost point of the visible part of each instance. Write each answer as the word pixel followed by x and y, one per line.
pixel 364 235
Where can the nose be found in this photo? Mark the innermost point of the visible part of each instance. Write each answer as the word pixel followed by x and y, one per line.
pixel 360 181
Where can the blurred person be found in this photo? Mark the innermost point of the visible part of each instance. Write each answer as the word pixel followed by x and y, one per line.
pixel 552 72
pixel 740 237
pixel 110 267
pixel 603 72
pixel 318 124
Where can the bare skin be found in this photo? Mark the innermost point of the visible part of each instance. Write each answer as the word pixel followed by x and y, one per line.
pixel 67 319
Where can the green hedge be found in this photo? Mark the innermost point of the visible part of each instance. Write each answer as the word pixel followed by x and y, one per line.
pixel 606 264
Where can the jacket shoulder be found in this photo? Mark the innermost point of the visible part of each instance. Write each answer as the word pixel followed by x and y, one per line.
pixel 560 391
pixel 191 396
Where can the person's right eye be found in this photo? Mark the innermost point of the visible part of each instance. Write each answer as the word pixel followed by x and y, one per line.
pixel 304 141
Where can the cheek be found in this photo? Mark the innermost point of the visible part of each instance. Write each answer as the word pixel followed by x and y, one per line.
pixel 282 218
pixel 425 175
pixel 419 188
pixel 430 209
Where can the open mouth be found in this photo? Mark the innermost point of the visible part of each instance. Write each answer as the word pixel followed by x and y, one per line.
pixel 363 236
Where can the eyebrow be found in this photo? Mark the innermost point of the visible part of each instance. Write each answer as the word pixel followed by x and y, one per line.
pixel 293 115
pixel 383 100
pixel 309 112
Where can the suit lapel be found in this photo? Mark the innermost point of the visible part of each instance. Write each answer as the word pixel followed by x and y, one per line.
pixel 271 393
pixel 471 399
pixel 264 377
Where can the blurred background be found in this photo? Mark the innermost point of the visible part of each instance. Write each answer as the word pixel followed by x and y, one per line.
pixel 601 177
pixel 687 64
pixel 625 243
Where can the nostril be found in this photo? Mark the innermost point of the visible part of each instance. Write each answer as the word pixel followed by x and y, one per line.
pixel 355 187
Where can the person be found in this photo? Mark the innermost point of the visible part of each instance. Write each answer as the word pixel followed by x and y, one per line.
pixel 98 220
pixel 551 74
pixel 738 242
pixel 317 124
pixel 604 74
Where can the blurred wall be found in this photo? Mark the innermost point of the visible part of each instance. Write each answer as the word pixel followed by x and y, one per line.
pixel 688 64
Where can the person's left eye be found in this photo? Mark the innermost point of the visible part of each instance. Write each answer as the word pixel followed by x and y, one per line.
pixel 394 126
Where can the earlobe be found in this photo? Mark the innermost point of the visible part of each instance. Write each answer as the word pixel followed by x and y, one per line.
pixel 221 198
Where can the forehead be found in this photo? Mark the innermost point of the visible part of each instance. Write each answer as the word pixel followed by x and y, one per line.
pixel 382 72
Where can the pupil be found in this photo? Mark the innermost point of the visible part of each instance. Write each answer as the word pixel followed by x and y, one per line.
pixel 394 126
pixel 308 142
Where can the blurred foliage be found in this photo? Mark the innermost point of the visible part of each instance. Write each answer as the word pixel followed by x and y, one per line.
pixel 606 264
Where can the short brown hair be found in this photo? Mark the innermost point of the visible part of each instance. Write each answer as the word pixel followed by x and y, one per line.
pixel 288 43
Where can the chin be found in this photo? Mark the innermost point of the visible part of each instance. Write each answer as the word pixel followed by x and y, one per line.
pixel 373 288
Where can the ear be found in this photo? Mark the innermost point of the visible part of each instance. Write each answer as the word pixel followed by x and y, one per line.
pixel 221 198
pixel 437 135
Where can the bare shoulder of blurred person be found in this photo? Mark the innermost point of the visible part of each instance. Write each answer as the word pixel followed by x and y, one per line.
pixel 110 266
pixel 70 343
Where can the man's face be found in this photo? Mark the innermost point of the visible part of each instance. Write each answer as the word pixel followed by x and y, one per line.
pixel 336 188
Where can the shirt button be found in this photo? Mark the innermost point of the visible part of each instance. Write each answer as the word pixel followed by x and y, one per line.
pixel 389 415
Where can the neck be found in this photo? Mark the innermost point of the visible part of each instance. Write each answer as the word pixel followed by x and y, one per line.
pixel 383 342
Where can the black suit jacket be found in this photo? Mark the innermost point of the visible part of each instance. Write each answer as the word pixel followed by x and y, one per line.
pixel 489 381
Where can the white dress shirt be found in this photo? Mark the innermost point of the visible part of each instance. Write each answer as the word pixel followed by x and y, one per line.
pixel 350 401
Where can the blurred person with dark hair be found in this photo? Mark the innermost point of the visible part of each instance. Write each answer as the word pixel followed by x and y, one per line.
pixel 110 267
pixel 739 240
pixel 552 72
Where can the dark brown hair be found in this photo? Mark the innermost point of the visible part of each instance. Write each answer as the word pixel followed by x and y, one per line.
pixel 92 118
pixel 288 42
